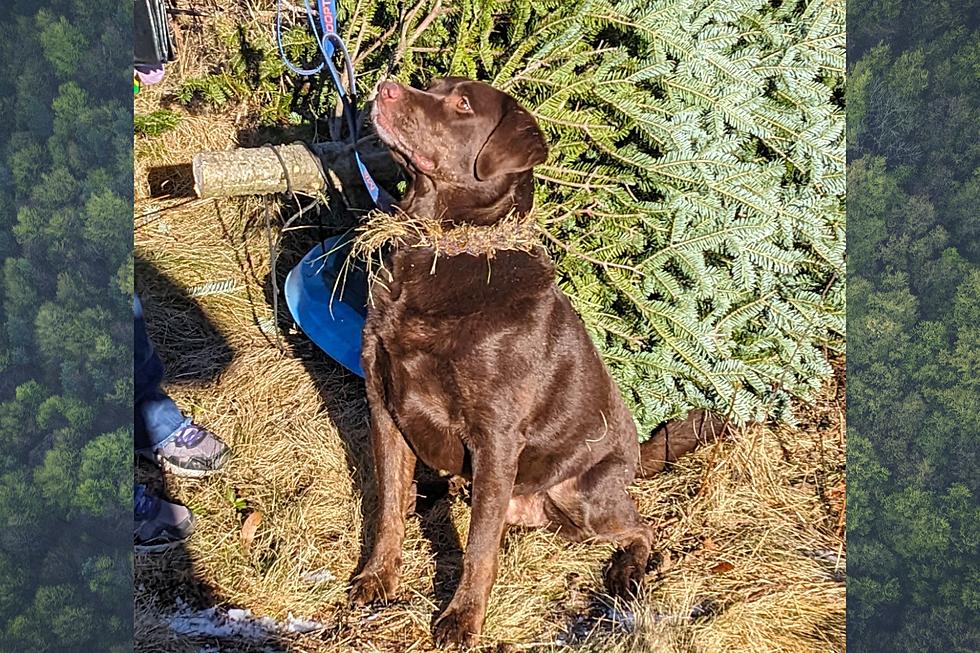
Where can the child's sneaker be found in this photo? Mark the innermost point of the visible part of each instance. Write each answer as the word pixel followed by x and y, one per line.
pixel 159 524
pixel 193 452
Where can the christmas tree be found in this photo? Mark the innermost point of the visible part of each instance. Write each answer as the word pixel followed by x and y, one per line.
pixel 695 188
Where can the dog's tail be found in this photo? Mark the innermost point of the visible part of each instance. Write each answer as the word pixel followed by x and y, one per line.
pixel 672 440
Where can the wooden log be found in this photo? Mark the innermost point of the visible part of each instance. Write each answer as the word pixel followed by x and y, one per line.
pixel 258 171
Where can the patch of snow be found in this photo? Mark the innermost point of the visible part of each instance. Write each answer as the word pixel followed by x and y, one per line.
pixel 300 625
pixel 235 622
pixel 319 576
pixel 624 618
pixel 601 617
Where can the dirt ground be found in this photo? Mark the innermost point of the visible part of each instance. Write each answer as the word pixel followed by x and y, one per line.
pixel 750 554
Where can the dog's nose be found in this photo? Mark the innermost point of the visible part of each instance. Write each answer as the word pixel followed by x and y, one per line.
pixel 389 91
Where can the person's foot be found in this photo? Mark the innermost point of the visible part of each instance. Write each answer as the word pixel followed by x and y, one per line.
pixel 159 524
pixel 192 452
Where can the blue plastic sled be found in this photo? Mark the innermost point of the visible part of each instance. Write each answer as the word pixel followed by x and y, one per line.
pixel 332 319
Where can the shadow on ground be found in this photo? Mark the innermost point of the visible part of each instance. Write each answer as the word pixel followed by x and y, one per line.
pixel 171 594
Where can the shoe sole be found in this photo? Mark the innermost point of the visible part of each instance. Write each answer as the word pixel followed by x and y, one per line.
pixel 157 548
pixel 181 472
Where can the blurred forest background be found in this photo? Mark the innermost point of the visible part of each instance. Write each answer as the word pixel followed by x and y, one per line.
pixel 913 320
pixel 914 325
pixel 65 326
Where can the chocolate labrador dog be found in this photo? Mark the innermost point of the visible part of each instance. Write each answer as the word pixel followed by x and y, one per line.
pixel 491 377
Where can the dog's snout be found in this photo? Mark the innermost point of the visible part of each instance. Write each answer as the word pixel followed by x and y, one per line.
pixel 389 91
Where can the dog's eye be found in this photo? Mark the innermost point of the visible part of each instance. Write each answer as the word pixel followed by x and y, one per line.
pixel 464 105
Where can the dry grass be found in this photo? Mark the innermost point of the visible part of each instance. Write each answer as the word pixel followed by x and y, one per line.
pixel 751 547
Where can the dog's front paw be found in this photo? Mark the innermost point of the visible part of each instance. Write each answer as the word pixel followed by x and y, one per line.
pixel 377 583
pixel 461 624
pixel 626 571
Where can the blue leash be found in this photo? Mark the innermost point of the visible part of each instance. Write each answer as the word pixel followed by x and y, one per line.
pixel 309 286
pixel 328 42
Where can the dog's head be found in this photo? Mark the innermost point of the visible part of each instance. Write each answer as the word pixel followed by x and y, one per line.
pixel 459 131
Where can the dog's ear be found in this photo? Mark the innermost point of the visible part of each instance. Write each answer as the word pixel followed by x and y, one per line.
pixel 515 144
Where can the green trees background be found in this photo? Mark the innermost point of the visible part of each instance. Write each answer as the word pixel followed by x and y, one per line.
pixel 913 123
pixel 65 326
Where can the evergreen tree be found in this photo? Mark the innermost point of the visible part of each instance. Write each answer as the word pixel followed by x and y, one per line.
pixel 696 177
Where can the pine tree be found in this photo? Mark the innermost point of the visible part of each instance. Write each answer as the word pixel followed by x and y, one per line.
pixel 696 180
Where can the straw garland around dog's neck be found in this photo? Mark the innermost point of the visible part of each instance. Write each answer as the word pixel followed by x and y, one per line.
pixel 513 232
pixel 401 229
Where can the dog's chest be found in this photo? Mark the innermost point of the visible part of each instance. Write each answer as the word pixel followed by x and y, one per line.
pixel 422 399
pixel 440 334
pixel 420 383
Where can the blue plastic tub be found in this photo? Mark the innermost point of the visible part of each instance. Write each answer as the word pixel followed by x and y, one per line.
pixel 332 319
